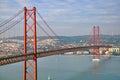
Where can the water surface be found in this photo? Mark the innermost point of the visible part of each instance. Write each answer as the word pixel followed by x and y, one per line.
pixel 67 68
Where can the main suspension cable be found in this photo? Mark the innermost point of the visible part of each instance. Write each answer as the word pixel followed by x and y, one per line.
pixel 10 19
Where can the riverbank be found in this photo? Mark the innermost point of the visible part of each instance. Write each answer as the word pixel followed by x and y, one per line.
pixel 87 55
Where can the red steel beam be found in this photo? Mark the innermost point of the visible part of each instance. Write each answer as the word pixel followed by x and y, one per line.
pixel 30 38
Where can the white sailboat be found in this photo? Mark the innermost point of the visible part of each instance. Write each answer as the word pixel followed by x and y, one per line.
pixel 49 78
pixel 96 60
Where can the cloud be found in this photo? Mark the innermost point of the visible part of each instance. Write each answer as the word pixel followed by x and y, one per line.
pixel 69 13
pixel 80 9
pixel 24 3
pixel 6 10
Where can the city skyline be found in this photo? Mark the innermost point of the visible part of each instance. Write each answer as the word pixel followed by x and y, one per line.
pixel 71 17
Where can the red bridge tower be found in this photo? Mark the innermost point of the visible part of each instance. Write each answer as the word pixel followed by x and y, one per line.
pixel 96 41
pixel 30 66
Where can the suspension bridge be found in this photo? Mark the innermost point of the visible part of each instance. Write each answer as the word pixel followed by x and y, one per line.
pixel 30 33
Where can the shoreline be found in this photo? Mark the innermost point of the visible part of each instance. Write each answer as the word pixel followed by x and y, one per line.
pixel 86 55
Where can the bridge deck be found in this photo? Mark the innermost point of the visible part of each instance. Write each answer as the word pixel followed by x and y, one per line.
pixel 29 56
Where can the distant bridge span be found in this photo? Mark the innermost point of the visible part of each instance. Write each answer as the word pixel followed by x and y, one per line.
pixel 29 56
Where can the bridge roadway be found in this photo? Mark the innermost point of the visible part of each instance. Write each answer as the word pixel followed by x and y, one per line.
pixel 21 57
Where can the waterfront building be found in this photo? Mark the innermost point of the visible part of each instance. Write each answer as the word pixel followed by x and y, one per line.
pixel 115 50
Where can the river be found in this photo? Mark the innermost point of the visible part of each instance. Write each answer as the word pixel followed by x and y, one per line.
pixel 63 67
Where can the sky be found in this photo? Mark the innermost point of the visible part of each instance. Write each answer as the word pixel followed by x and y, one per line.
pixel 71 17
